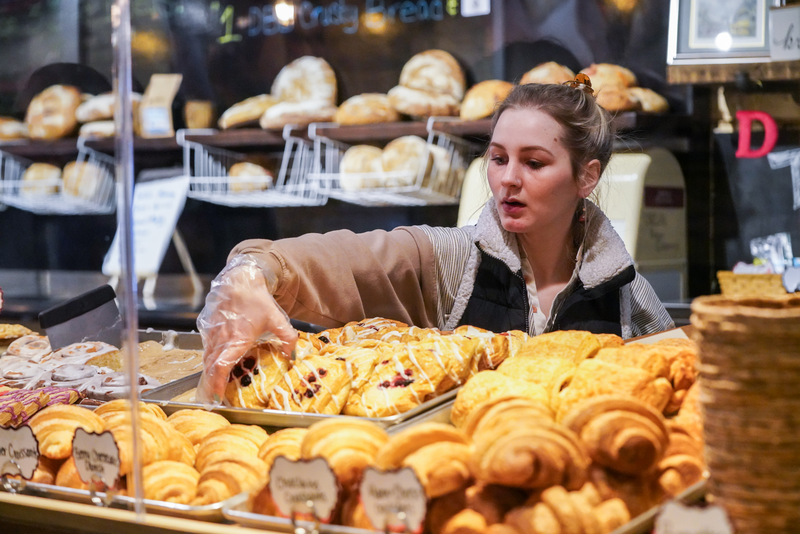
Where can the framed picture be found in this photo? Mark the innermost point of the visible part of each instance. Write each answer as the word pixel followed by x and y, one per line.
pixel 719 31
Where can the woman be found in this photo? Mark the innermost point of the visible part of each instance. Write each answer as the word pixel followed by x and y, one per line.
pixel 540 258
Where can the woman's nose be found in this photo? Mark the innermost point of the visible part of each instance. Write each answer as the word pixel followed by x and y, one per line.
pixel 511 175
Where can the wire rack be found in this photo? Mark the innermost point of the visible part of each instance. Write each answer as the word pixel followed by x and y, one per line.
pixel 48 197
pixel 208 168
pixel 437 181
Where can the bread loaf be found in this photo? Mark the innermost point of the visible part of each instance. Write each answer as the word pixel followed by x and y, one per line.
pixel 51 113
pixel 41 179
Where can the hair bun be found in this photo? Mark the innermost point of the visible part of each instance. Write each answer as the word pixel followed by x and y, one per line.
pixel 581 82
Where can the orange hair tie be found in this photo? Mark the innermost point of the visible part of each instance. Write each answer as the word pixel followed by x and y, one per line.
pixel 581 82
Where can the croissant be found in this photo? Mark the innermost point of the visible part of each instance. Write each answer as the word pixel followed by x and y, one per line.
pixel 354 515
pixel 586 515
pixel 252 379
pixel 494 412
pixel 55 426
pixel 196 424
pixel 441 467
pixel 400 446
pixel 284 442
pixel 314 385
pixel 551 371
pixel 156 438
pixel 181 449
pixel 229 477
pixel 646 357
pixel 229 442
pixel 620 433
pixel 531 455
pixel 170 481
pixel 638 493
pixel 536 519
pixel 104 411
pixel 501 528
pixel 681 355
pixel 488 385
pixel 45 472
pixel 465 522
pixel 612 514
pixel 678 472
pixel 574 345
pixel 348 446
pixel 67 476
pixel 563 507
pixel 493 502
pixel 689 417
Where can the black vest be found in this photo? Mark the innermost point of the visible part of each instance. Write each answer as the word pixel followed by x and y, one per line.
pixel 499 302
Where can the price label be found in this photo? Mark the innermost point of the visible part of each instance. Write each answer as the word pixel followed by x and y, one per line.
pixel 19 452
pixel 157 205
pixel 394 499
pixel 676 518
pixel 96 455
pixel 295 484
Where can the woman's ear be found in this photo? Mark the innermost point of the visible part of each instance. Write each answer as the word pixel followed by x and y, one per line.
pixel 589 178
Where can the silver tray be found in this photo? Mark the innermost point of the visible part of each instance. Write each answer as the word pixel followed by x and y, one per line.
pixel 233 510
pixel 209 512
pixel 644 523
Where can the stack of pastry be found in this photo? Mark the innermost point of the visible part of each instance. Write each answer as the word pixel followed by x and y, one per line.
pixel 96 115
pixel 432 83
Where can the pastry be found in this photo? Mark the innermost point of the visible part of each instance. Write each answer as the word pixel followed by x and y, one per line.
pixel 681 356
pixel 361 168
pixel 638 493
pixel 305 79
pixel 348 446
pixel 313 385
pixel 30 346
pixel 607 74
pixel 112 386
pixel 101 107
pixel 45 473
pixel 552 372
pixel 689 417
pixel 51 113
pixel 455 353
pixel 550 72
pixel 245 176
pixel 297 113
pixel 253 377
pixel 172 364
pixel 616 98
pixel 229 477
pixel 55 426
pixel 403 334
pixel 649 100
pixel 359 358
pixel 436 71
pixel 80 353
pixel 31 402
pixel 18 372
pixel 196 424
pixel 84 179
pixel 40 179
pixel 465 522
pixel 536 519
pixel 612 514
pixel 13 331
pixel 155 439
pixel 678 472
pixel 608 341
pixel 229 442
pixel 170 482
pixel 368 108
pixel 402 445
pixel 493 502
pixel 285 442
pixel 646 357
pixel 98 130
pixel 403 158
pixel 489 385
pixel 422 103
pixel 111 408
pixel 12 129
pixel 69 375
pixel 620 433
pixel 308 344
pixel 358 330
pixel 482 99
pixel 495 412
pixel 441 467
pixel 575 345
pixel 496 348
pixel 68 477
pixel 246 112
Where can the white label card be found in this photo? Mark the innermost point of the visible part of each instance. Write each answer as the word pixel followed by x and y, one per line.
pixel 394 499
pixel 784 33
pixel 475 8
pixel 157 205
pixel 19 452
pixel 156 121
pixel 294 484
pixel 96 455
pixel 676 518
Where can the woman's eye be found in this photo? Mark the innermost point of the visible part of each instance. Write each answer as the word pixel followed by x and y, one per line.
pixel 534 164
pixel 498 160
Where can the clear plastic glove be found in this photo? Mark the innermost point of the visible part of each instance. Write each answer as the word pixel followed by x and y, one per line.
pixel 239 309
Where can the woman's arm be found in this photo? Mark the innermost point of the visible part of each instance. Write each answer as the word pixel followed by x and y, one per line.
pixel 333 278
pixel 648 314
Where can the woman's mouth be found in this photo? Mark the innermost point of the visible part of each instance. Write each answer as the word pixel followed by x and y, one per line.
pixel 511 206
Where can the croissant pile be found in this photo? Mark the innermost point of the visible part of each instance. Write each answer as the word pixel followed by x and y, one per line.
pixel 373 368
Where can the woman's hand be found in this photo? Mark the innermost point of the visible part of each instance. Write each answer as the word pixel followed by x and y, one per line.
pixel 239 309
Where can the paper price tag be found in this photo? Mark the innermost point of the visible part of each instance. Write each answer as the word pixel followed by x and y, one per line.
pixel 19 452
pixel 157 205
pixel 96 455
pixel 675 518
pixel 294 484
pixel 390 496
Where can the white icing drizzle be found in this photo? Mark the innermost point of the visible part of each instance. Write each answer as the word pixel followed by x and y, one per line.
pixel 417 365
pixel 169 339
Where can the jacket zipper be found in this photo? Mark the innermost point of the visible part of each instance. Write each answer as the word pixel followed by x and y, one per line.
pixel 524 293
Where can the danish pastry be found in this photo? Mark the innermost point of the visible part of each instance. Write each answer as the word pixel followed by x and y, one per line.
pixel 196 424
pixel 246 112
pixel 550 72
pixel 422 103
pixel 489 385
pixel 361 168
pixel 170 482
pixel 55 427
pixel 358 330
pixel 348 446
pixel 252 379
pixel 496 348
pixel 83 179
pixel 436 71
pixel 359 358
pixel 482 99
pixel 51 113
pixel 305 79
pixel 230 477
pixel 245 176
pixel 455 353
pixel 314 385
pixel 12 129
pixel 575 345
pixel 368 108
pixel 229 442
pixel 40 179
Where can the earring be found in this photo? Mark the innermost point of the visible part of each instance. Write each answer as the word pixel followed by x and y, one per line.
pixel 582 216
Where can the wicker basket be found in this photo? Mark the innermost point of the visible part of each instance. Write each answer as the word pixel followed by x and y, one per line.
pixel 750 285
pixel 749 371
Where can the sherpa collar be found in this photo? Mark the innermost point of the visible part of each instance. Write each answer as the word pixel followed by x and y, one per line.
pixel 604 253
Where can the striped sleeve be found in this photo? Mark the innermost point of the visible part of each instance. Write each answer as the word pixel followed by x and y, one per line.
pixel 648 314
pixel 451 249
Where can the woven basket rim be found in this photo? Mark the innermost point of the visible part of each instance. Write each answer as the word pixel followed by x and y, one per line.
pixel 779 307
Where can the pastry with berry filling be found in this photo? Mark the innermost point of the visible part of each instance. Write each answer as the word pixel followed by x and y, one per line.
pixel 359 358
pixel 357 330
pixel 252 379
pixel 404 334
pixel 455 354
pixel 313 385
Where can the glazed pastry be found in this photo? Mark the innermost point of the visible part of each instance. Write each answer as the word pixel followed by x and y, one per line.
pixel 55 426
pixel 308 344
pixel 32 402
pixel 441 467
pixel 367 108
pixel 252 379
pixel 68 477
pixel 230 477
pixel 359 358
pixel 69 375
pixel 357 330
pixel 608 341
pixel 313 385
pixel 196 424
pixel 31 346
pixel 170 482
pixel 495 348
pixel 10 409
pixel 494 412
pixel 51 113
pixel 552 372
pixel 401 445
pixel 246 112
pixel 19 372
pixel 59 395
pixel 155 439
pixel 651 359
pixel 575 345
pixel 491 385
pixel 404 334
pixel 229 442
pixel 284 442
pixel 114 407
pixel 306 78
pixel 550 72
pixel 455 353
pixel 348 446
pixel 535 455
pixel 436 71
pixel 115 386
pixel 80 352
pixel 621 433
pixel 482 98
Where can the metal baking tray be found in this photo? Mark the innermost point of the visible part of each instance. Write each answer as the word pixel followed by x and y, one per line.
pixel 209 512
pixel 233 510
pixel 644 523
pixel 278 419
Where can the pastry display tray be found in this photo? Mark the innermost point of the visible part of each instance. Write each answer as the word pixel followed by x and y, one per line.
pixel 645 523
pixel 278 419
pixel 209 512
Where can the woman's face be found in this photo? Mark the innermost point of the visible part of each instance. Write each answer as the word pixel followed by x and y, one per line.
pixel 530 174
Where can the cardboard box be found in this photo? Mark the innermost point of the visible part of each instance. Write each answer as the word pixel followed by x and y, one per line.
pixel 155 110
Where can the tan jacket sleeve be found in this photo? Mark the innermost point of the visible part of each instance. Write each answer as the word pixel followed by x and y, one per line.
pixel 333 278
